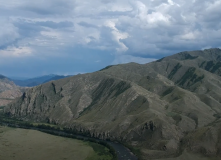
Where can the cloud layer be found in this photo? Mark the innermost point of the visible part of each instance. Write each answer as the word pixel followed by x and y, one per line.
pixel 108 31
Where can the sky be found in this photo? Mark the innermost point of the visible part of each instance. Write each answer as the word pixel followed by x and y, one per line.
pixel 68 37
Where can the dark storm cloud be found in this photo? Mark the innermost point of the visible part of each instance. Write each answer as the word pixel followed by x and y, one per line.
pixel 87 25
pixel 54 25
pixel 49 7
pixel 115 14
pixel 123 30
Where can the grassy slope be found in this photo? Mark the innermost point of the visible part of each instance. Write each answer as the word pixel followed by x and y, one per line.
pixel 22 144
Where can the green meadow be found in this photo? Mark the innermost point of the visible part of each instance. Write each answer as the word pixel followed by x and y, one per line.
pixel 24 144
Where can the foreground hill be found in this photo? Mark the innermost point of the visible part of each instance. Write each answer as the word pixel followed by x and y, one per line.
pixel 161 108
pixel 8 91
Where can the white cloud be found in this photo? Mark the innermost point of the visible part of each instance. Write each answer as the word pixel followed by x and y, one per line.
pixel 170 2
pixel 134 27
pixel 150 19
pixel 191 35
pixel 117 36
pixel 8 32
pixel 16 52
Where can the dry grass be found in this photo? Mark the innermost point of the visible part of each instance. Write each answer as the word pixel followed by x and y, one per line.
pixel 20 144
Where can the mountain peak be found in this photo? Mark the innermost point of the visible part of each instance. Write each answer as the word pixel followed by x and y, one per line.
pixel 213 49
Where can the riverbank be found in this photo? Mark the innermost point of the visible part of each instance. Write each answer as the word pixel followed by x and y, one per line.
pixel 117 150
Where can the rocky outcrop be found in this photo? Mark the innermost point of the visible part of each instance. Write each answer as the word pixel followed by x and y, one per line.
pixel 8 91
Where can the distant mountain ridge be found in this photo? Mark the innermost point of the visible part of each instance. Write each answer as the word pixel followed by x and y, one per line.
pixel 37 81
pixel 2 77
pixel 162 108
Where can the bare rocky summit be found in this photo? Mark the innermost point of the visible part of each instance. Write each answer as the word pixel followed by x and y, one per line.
pixel 162 108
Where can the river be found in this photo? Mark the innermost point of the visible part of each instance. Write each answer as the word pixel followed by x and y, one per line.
pixel 123 153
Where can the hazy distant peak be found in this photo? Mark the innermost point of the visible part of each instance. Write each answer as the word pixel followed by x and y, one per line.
pixel 37 80
pixel 2 77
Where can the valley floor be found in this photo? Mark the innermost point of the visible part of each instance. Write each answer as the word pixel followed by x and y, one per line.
pixel 23 144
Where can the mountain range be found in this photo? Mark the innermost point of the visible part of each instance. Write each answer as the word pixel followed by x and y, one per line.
pixel 37 80
pixel 162 108
pixel 11 88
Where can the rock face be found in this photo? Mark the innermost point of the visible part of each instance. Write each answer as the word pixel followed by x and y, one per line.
pixel 8 91
pixel 161 107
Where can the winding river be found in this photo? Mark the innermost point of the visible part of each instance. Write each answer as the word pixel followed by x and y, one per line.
pixel 123 153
